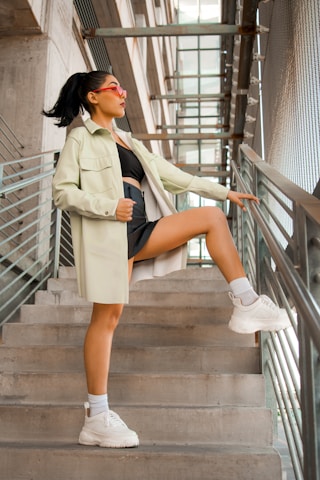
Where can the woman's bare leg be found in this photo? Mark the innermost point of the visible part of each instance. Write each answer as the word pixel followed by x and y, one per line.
pixel 102 426
pixel 97 346
pixel 98 343
pixel 177 229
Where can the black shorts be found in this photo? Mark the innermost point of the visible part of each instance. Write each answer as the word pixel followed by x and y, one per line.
pixel 139 229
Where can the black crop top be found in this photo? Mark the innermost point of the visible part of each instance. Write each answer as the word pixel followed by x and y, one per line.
pixel 130 165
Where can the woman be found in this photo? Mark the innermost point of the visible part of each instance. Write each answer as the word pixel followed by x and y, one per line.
pixel 122 220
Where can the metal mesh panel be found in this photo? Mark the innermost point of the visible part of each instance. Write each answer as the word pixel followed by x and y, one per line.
pixel 291 89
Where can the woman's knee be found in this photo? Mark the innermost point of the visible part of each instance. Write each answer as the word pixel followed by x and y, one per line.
pixel 216 216
pixel 106 316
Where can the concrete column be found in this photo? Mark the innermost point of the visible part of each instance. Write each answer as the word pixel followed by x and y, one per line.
pixel 37 54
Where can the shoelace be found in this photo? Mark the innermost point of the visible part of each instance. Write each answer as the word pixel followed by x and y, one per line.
pixel 268 302
pixel 114 419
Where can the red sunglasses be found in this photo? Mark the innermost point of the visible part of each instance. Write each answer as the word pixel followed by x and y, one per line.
pixel 115 89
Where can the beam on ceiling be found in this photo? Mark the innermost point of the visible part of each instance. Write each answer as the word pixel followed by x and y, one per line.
pixel 178 77
pixel 206 173
pixel 179 126
pixel 191 96
pixel 187 136
pixel 169 31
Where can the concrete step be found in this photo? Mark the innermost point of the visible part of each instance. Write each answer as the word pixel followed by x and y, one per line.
pixel 136 388
pixel 143 298
pixel 170 462
pixel 15 334
pixel 190 387
pixel 190 359
pixel 175 315
pixel 204 287
pixel 161 284
pixel 154 425
pixel 211 273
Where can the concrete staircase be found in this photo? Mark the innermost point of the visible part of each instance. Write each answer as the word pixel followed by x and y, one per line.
pixel 189 387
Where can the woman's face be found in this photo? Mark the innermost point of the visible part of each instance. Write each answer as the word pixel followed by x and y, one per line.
pixel 109 98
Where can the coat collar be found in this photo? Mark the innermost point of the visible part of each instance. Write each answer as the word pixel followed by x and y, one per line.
pixel 93 127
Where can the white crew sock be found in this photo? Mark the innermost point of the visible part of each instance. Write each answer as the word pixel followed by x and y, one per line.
pixel 98 404
pixel 242 289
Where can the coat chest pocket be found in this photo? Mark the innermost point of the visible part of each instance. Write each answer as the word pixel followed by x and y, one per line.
pixel 96 174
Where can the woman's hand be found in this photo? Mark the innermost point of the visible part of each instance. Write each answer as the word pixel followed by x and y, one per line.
pixel 124 209
pixel 237 197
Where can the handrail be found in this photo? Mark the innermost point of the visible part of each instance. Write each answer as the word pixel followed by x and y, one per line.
pixel 32 231
pixel 5 190
pixel 279 244
pixel 302 297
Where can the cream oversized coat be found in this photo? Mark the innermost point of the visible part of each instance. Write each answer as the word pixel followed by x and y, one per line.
pixel 88 183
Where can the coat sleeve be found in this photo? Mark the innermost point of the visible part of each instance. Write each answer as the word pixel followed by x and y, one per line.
pixel 67 193
pixel 176 181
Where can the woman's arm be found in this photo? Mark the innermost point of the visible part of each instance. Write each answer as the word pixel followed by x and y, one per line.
pixel 176 181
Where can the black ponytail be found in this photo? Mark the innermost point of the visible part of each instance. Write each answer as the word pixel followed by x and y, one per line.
pixel 72 99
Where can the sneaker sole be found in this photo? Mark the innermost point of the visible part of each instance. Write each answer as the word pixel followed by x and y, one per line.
pixel 89 440
pixel 237 326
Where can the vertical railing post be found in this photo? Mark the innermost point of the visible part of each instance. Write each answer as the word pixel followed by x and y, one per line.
pixel 309 263
pixel 239 215
pixel 309 371
pixel 57 241
pixel 262 255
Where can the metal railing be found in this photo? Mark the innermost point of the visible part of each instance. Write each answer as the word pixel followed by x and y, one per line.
pixel 279 242
pixel 31 231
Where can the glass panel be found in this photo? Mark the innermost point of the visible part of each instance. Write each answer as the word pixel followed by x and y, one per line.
pixel 208 154
pixel 185 128
pixel 182 202
pixel 188 152
pixel 189 121
pixel 209 108
pixel 187 43
pixel 188 11
pixel 188 61
pixel 188 85
pixel 210 11
pixel 204 251
pixel 209 41
pixel 187 112
pixel 199 55
pixel 209 61
pixel 210 85
pixel 194 248
pixel 194 200
pixel 212 125
pixel 209 129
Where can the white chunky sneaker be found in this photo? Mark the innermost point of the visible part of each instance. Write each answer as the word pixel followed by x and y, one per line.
pixel 263 315
pixel 107 430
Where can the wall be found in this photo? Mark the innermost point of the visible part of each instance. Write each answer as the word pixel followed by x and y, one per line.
pixel 33 68
pixel 40 47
